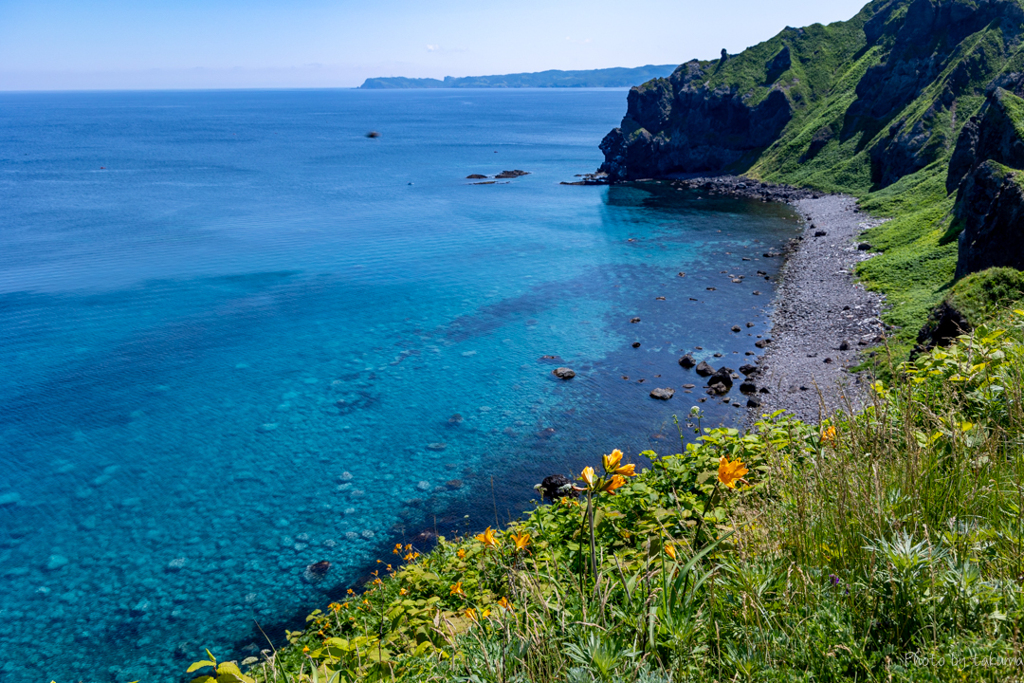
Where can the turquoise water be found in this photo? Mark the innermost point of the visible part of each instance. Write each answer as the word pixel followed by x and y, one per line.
pixel 237 336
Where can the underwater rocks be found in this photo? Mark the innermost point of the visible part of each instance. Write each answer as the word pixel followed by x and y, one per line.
pixel 563 373
pixel 512 174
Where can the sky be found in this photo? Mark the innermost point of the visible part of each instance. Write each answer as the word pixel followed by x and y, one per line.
pixel 157 44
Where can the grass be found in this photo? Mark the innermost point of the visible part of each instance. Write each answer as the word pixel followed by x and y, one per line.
pixel 884 545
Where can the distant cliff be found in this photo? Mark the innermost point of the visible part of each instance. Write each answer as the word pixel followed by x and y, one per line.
pixel 907 94
pixel 619 77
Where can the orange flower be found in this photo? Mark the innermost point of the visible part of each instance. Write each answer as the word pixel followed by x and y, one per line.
pixel 505 604
pixel 617 481
pixel 471 614
pixel 461 553
pixel 670 551
pixel 521 539
pixel 588 476
pixel 626 470
pixel 457 589
pixel 828 435
pixel 731 472
pixel 487 538
pixel 611 461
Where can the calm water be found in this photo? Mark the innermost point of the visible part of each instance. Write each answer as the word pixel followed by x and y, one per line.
pixel 237 336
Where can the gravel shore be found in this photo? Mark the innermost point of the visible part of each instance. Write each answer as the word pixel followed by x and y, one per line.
pixel 822 319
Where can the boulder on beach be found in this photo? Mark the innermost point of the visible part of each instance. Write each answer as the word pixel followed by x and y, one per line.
pixel 563 373
pixel 663 394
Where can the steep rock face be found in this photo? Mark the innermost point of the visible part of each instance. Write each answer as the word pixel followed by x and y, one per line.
pixel 985 172
pixel 892 86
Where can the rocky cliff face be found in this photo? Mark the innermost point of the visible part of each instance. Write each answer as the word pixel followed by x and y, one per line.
pixel 889 87
pixel 985 171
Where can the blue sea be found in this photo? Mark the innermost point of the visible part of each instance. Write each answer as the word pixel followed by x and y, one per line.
pixel 238 336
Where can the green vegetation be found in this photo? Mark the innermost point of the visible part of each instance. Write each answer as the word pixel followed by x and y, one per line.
pixel 617 77
pixel 882 546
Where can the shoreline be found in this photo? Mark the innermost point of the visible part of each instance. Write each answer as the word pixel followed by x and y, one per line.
pixel 821 318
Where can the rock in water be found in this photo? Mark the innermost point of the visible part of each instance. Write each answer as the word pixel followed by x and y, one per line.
pixel 749 369
pixel 722 375
pixel 512 174
pixel 557 486
pixel 687 361
pixel 704 370
pixel 663 394
pixel 316 572
pixel 563 373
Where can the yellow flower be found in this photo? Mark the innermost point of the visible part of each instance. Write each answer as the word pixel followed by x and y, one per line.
pixel 505 604
pixel 397 549
pixel 626 470
pixel 402 591
pixel 670 551
pixel 486 613
pixel 611 462
pixel 487 538
pixel 731 472
pixel 617 481
pixel 588 476
pixel 461 553
pixel 305 649
pixel 471 614
pixel 521 539
pixel 829 435
pixel 457 589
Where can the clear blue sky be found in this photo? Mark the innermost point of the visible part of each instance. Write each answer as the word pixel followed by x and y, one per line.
pixel 86 44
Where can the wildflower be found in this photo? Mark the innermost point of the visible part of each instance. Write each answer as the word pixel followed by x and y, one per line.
pixel 611 462
pixel 334 607
pixel 378 582
pixel 408 547
pixel 670 551
pixel 461 553
pixel 626 470
pixel 410 557
pixel 397 550
pixel 588 476
pixel 486 613
pixel 617 481
pixel 731 472
pixel 351 592
pixel 402 591
pixel 471 614
pixel 456 589
pixel 487 538
pixel 305 649
pixel 521 539
pixel 505 604
pixel 828 435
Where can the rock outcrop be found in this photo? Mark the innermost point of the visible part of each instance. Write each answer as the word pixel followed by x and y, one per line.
pixel 985 171
pixel 880 96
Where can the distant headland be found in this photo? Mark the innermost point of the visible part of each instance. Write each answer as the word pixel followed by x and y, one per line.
pixel 616 77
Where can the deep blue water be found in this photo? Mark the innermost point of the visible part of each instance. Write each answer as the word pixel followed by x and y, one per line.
pixel 237 336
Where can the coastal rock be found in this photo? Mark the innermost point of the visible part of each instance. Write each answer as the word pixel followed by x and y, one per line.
pixel 721 376
pixel 687 361
pixel 663 394
pixel 315 573
pixel 556 486
pixel 512 174
pixel 704 370
pixel 476 176
pixel 563 373
pixel 748 388
pixel 749 369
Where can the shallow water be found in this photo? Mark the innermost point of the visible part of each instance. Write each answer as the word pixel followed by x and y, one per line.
pixel 237 336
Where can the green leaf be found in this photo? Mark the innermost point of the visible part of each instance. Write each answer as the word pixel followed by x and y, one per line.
pixel 199 665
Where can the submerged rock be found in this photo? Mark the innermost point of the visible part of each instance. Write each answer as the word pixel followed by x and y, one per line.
pixel 316 572
pixel 563 373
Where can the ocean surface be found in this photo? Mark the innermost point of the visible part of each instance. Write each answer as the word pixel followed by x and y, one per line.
pixel 238 336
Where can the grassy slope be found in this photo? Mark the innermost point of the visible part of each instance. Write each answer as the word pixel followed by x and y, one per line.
pixel 918 263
